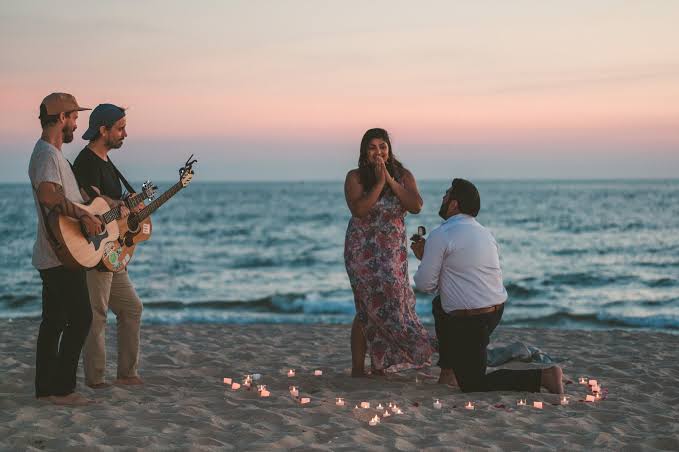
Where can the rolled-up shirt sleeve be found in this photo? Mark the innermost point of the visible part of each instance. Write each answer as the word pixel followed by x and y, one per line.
pixel 428 273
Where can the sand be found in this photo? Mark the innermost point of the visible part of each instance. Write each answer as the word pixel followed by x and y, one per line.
pixel 184 404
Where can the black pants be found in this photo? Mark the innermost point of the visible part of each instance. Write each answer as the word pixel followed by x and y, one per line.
pixel 462 347
pixel 66 318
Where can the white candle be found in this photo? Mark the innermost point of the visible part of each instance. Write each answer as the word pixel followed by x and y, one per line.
pixel 537 405
pixel 380 407
pixel 437 404
pixel 365 404
pixel 374 421
pixel 228 381
pixel 235 386
pixel 398 411
pixel 339 401
pixel 291 373
pixel 521 402
pixel 590 398
pixel 318 373
pixel 469 406
pixel 304 400
pixel 386 413
pixel 564 400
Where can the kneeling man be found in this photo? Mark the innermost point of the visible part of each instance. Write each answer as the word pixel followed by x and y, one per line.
pixel 461 263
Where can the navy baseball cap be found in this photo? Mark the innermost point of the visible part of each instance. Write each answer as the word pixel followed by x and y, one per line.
pixel 103 115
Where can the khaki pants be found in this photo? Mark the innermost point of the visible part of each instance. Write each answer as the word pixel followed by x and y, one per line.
pixel 112 290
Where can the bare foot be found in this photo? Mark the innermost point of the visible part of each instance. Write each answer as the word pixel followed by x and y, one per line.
pixel 72 399
pixel 447 377
pixel 551 379
pixel 101 385
pixel 129 381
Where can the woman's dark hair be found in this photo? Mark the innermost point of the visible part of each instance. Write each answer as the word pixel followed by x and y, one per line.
pixel 365 170
pixel 467 196
pixel 48 120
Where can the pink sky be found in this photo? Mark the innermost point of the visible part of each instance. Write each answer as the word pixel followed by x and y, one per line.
pixel 534 80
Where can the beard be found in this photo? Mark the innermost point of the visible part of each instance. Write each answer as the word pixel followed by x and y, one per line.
pixel 114 144
pixel 67 134
pixel 443 211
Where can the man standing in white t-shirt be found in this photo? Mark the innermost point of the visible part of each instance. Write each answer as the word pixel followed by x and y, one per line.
pixel 461 263
pixel 66 312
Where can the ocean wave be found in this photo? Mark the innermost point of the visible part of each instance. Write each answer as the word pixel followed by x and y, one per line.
pixel 596 320
pixel 520 291
pixel 586 279
pixel 291 303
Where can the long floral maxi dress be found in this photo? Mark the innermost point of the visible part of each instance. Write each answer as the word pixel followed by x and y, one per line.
pixel 376 258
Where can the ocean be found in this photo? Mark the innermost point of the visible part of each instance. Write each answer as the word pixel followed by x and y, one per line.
pixel 575 254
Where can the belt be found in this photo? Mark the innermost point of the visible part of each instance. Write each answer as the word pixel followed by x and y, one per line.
pixel 471 312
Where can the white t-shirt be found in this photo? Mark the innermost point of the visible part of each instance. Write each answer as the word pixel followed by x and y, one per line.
pixel 48 164
pixel 461 261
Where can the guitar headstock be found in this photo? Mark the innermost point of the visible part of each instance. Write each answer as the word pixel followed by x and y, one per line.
pixel 186 172
pixel 148 189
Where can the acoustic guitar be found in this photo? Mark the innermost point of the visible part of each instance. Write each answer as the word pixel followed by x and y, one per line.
pixel 74 247
pixel 136 228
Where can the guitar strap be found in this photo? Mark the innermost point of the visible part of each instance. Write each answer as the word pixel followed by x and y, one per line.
pixel 127 185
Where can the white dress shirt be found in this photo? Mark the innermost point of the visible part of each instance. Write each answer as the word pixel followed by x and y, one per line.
pixel 461 262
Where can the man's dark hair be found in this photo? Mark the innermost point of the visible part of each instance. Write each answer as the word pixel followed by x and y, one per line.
pixel 467 196
pixel 48 120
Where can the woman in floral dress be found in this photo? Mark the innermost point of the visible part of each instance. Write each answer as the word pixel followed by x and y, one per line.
pixel 379 193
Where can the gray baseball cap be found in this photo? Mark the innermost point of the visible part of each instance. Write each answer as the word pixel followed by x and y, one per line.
pixel 103 115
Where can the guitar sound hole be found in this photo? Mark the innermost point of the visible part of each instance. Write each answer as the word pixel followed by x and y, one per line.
pixel 133 226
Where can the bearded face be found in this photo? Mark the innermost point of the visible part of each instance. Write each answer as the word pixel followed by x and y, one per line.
pixel 67 133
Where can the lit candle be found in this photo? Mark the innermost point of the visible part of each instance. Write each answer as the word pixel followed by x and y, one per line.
pixel 597 396
pixel 235 386
pixel 294 391
pixel 318 373
pixel 437 404
pixel 365 404
pixel 521 402
pixel 537 405
pixel 564 400
pixel 261 388
pixel 374 421
pixel 582 380
pixel 469 406
pixel 398 411
pixel 339 401
pixel 304 400
pixel 291 373
pixel 590 398
pixel 227 381
pixel 356 407
pixel 380 407
pixel 386 413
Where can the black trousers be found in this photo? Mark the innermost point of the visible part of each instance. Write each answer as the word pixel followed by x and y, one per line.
pixel 462 347
pixel 66 318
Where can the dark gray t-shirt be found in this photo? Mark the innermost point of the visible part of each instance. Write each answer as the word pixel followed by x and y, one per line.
pixel 48 164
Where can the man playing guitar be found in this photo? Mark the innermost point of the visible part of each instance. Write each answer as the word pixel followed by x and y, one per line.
pixel 96 174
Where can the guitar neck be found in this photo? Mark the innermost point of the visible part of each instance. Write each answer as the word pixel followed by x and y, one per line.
pixel 162 199
pixel 132 201
pixel 114 214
